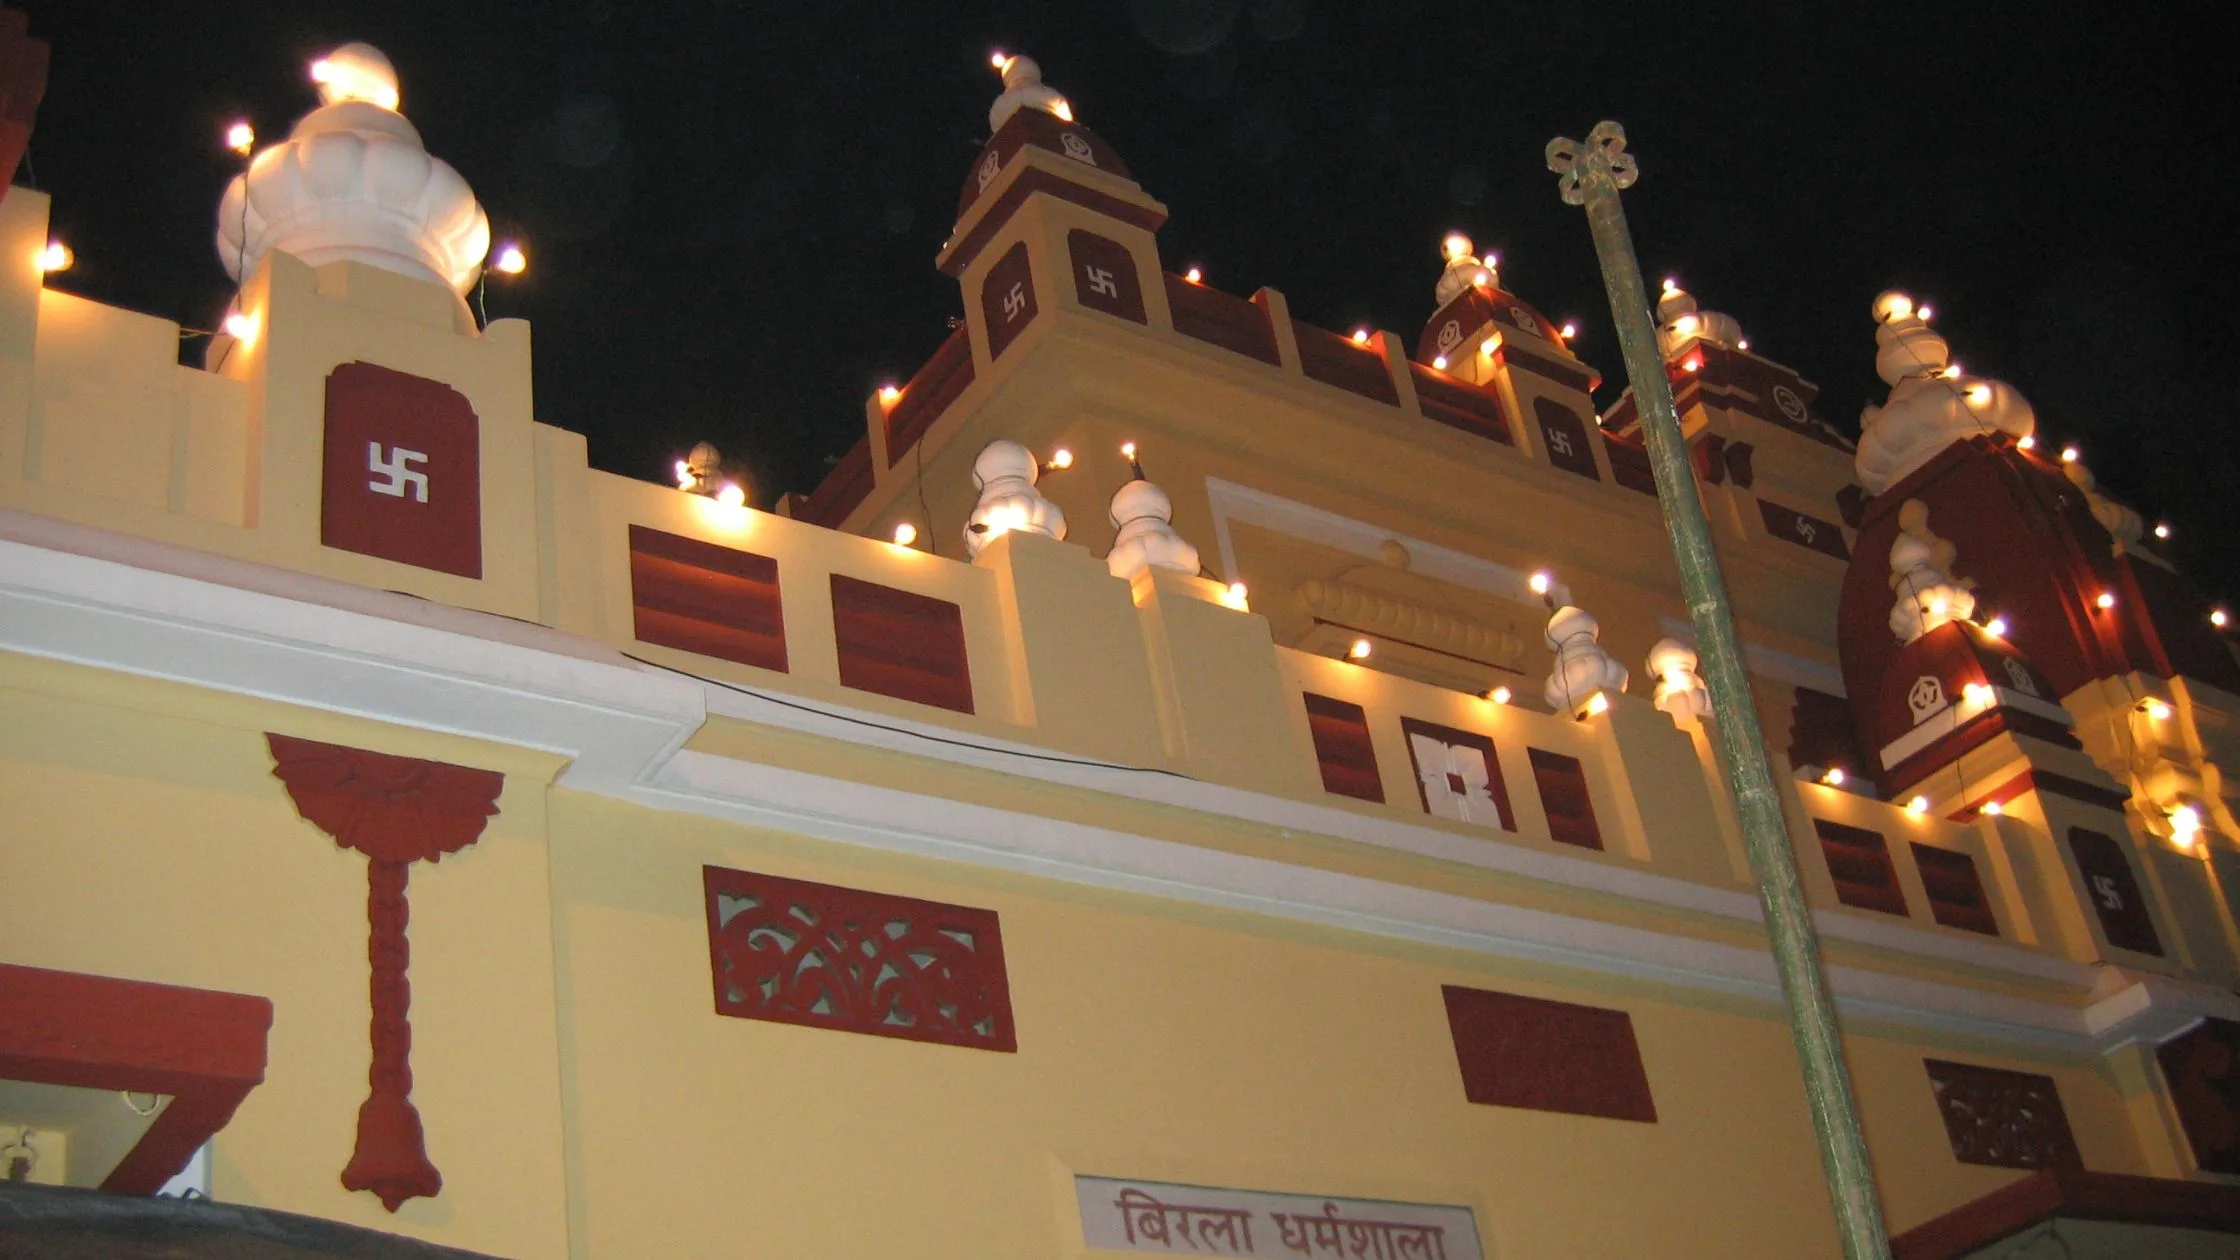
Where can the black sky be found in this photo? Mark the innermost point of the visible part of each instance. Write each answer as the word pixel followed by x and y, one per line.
pixel 732 208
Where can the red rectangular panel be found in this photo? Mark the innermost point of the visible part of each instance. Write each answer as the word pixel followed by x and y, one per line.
pixel 2001 1118
pixel 1629 464
pixel 1342 748
pixel 402 470
pixel 1104 275
pixel 929 393
pixel 898 644
pixel 1859 862
pixel 847 485
pixel 1956 897
pixel 703 598
pixel 1825 537
pixel 1564 798
pixel 2113 892
pixel 1220 319
pixel 1566 437
pixel 1517 1051
pixel 1459 405
pixel 1007 302
pixel 2199 1070
pixel 1334 360
pixel 795 952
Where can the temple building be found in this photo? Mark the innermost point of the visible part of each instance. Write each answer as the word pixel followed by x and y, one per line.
pixel 1188 782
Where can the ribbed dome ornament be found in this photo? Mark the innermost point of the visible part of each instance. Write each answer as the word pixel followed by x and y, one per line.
pixel 353 182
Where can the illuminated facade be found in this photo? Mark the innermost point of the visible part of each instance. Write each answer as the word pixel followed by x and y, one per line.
pixel 1296 834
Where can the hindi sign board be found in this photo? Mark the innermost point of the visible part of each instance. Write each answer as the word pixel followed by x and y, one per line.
pixel 1168 1219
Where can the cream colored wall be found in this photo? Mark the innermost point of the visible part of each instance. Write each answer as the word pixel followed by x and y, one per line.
pixel 1165 1042
pixel 146 838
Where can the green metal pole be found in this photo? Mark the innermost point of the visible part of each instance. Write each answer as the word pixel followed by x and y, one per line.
pixel 1592 175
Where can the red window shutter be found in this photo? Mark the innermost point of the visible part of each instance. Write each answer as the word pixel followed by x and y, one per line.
pixel 2004 1119
pixel 1527 1052
pixel 1563 796
pixel 1859 862
pixel 795 952
pixel 898 644
pixel 1956 897
pixel 699 597
pixel 1342 747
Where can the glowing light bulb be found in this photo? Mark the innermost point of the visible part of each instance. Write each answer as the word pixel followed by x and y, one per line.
pixel 1540 582
pixel 1951 373
pixel 1491 260
pixel 1568 331
pixel 240 327
pixel 1937 606
pixel 1194 276
pixel 1834 776
pixel 1694 363
pixel 1359 651
pixel 999 61
pixel 684 475
pixel 1456 247
pixel 1439 362
pixel 732 495
pixel 509 259
pixel 1671 285
pixel 1918 805
pixel 1996 627
pixel 1128 450
pixel 56 257
pixel 889 395
pixel 1481 279
pixel 1234 597
pixel 1979 693
pixel 1499 695
pixel 1685 325
pixel 1598 703
pixel 1992 809
pixel 2218 617
pixel 2185 825
pixel 2155 708
pixel 1979 395
pixel 2162 530
pixel 2029 442
pixel 1742 344
pixel 1063 109
pixel 905 534
pixel 1923 312
pixel 1061 459
pixel 241 138
pixel 1361 336
pixel 2068 454
pixel 2104 601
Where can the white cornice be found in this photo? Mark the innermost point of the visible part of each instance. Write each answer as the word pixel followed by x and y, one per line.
pixel 123 604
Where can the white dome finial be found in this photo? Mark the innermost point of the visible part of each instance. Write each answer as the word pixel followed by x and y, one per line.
pixel 1582 666
pixel 1465 270
pixel 352 182
pixel 1680 690
pixel 1023 88
pixel 356 72
pixel 1004 473
pixel 1147 539
pixel 1681 324
pixel 1921 576
pixel 1932 404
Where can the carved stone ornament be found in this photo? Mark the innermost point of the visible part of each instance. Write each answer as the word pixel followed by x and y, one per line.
pixel 1147 537
pixel 1004 473
pixel 1930 406
pixel 396 811
pixel 1928 595
pixel 2005 1119
pixel 1582 667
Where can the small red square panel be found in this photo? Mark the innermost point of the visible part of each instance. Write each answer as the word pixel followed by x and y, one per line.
pixel 403 470
pixel 1104 275
pixel 1517 1051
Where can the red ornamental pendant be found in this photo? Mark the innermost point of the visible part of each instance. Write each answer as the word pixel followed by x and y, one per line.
pixel 396 811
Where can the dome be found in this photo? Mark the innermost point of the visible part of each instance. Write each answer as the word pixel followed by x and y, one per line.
pixel 354 182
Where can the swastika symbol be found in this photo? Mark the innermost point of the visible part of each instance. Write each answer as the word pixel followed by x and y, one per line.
pixel 1805 530
pixel 1014 301
pixel 395 473
pixel 1559 442
pixel 2110 895
pixel 1101 281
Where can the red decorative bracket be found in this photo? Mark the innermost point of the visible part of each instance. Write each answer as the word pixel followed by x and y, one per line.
pixel 396 811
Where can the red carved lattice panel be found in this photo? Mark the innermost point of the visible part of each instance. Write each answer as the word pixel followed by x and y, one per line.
pixel 1517 1051
pixel 796 952
pixel 2005 1119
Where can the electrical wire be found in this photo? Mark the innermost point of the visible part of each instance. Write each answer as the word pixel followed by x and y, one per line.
pixel 904 730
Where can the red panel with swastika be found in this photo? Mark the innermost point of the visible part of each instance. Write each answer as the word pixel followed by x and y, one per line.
pixel 403 470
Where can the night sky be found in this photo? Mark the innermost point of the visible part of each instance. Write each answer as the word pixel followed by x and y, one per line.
pixel 732 208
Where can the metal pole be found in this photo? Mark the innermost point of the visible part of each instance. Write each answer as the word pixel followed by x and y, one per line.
pixel 1592 175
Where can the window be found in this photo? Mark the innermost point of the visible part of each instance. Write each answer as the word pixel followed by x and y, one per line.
pixel 1956 897
pixel 699 597
pixel 1517 1051
pixel 1341 747
pixel 1563 795
pixel 1859 863
pixel 898 644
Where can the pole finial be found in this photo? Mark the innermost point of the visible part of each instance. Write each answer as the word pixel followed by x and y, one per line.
pixel 1604 152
